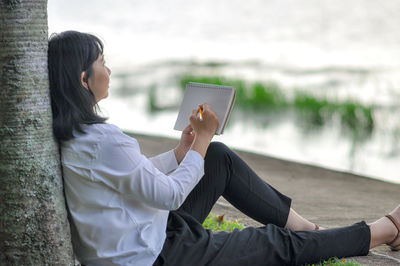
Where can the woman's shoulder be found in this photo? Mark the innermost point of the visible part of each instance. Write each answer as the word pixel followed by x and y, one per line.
pixel 101 128
pixel 93 133
pixel 99 131
pixel 110 133
pixel 98 138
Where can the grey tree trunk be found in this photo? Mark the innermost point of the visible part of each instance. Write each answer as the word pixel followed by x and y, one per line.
pixel 33 223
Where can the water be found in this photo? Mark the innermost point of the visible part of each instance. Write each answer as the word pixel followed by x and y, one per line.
pixel 349 49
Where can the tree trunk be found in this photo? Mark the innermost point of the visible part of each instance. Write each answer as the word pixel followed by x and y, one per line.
pixel 33 223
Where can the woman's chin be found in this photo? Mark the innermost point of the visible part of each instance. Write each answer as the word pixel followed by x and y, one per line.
pixel 105 96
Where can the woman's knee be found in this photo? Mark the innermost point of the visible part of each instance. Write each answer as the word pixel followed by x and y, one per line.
pixel 217 152
pixel 218 162
pixel 216 148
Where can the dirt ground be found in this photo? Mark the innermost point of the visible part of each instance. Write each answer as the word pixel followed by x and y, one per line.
pixel 328 198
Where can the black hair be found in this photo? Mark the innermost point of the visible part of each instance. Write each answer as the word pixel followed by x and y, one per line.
pixel 69 54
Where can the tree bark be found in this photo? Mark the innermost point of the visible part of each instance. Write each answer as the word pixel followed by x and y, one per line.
pixel 33 221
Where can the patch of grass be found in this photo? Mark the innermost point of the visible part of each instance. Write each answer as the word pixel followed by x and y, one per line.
pixel 266 95
pixel 313 109
pixel 337 262
pixel 219 223
pixel 152 100
pixel 353 115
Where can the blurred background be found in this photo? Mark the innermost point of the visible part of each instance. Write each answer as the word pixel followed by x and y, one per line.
pixel 317 81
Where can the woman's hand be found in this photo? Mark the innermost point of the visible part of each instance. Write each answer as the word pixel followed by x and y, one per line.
pixel 204 129
pixel 208 125
pixel 185 143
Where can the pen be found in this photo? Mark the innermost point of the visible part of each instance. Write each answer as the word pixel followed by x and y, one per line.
pixel 201 113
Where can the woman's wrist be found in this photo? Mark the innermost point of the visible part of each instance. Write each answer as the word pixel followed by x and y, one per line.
pixel 179 153
pixel 201 143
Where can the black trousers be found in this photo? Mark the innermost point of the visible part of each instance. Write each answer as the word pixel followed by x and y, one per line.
pixel 188 243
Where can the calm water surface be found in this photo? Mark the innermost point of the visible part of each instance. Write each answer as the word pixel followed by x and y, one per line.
pixel 346 49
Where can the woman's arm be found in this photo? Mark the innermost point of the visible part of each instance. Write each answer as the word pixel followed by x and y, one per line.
pixel 169 161
pixel 120 165
pixel 185 143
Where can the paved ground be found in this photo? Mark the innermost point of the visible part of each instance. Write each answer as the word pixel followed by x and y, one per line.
pixel 328 198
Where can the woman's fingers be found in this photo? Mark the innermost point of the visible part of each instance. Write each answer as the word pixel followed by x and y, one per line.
pixel 193 116
pixel 209 122
pixel 207 111
pixel 188 129
pixel 209 114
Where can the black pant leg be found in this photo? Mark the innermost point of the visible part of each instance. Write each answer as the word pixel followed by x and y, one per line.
pixel 202 198
pixel 273 245
pixel 228 175
pixel 188 243
pixel 245 189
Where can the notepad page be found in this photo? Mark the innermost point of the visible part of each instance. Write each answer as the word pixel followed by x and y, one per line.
pixel 218 97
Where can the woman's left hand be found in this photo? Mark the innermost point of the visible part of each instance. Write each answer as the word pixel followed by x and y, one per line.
pixel 185 143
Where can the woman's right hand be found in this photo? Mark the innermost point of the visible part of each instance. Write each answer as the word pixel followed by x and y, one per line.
pixel 204 129
pixel 208 125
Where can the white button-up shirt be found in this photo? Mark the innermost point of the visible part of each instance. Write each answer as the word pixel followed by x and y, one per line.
pixel 118 199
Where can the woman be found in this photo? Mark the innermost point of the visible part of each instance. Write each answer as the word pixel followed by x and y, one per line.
pixel 126 209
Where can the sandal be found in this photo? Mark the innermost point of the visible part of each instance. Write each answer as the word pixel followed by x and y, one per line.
pixel 316 227
pixel 397 224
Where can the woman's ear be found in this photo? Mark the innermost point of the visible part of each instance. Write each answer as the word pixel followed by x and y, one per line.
pixel 84 81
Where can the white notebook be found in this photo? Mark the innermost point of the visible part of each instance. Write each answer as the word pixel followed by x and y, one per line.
pixel 220 98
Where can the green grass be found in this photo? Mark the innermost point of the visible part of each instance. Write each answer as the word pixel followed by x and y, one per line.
pixel 352 114
pixel 267 95
pixel 219 223
pixel 316 111
pixel 152 100
pixel 337 262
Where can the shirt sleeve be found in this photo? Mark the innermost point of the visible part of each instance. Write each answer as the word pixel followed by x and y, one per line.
pixel 165 162
pixel 120 165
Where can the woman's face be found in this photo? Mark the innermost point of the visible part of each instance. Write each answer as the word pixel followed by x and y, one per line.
pixel 99 81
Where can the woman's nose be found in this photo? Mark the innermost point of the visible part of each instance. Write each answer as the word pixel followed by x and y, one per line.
pixel 109 71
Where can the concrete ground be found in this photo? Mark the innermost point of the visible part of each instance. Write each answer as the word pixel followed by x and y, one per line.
pixel 328 198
